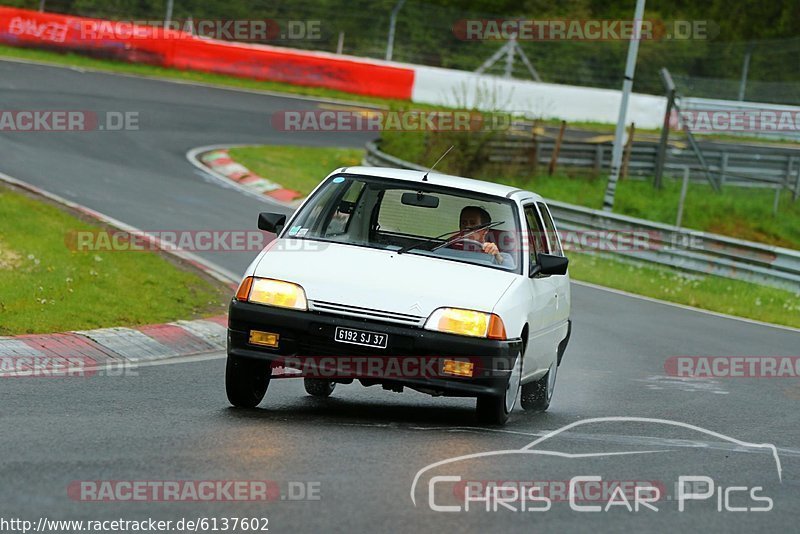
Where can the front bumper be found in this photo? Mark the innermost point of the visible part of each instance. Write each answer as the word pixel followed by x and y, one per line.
pixel 311 334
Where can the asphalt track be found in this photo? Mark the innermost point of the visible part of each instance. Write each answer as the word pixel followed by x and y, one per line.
pixel 363 447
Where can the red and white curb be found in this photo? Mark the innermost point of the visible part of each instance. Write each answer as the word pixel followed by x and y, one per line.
pixel 120 344
pixel 110 345
pixel 218 162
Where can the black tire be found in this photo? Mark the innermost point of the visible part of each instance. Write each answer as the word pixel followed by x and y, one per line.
pixel 536 396
pixel 495 409
pixel 246 381
pixel 318 387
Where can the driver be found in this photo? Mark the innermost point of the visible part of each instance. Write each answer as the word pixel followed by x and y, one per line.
pixel 472 216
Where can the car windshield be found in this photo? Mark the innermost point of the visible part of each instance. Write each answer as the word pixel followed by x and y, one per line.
pixel 412 218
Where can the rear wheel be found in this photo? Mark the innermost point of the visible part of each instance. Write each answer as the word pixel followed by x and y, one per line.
pixel 318 387
pixel 246 381
pixel 495 409
pixel 536 396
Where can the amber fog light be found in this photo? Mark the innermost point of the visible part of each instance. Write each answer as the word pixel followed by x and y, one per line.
pixel 265 339
pixel 457 368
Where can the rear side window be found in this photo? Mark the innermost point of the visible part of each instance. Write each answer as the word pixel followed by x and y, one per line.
pixel 552 235
pixel 536 238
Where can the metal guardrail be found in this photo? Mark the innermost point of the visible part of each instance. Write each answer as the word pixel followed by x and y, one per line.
pixel 740 165
pixel 687 250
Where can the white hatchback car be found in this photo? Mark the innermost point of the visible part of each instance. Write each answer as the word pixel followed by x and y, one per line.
pixel 446 285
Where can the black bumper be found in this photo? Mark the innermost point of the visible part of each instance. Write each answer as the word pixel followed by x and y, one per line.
pixel 311 334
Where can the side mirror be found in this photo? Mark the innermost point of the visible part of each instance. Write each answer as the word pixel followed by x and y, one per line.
pixel 271 222
pixel 548 264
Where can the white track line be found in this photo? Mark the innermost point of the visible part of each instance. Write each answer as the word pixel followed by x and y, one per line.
pixel 684 306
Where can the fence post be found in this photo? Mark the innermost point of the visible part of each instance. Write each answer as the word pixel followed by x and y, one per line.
pixel 340 44
pixel 392 24
pixel 796 186
pixel 628 148
pixel 167 16
pixel 777 200
pixel 556 149
pixel 533 155
pixel 723 167
pixel 599 150
pixel 745 68
pixel 661 155
pixel 682 200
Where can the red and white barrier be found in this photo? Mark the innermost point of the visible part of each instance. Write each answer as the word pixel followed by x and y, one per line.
pixel 146 44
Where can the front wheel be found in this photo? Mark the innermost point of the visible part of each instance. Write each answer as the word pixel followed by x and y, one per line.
pixel 246 381
pixel 495 409
pixel 536 396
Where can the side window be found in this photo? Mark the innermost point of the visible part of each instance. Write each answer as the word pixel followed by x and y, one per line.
pixel 536 238
pixel 344 211
pixel 552 235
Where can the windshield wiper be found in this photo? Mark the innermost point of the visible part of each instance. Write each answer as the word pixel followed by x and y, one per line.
pixel 470 232
pixel 415 244
pixel 453 239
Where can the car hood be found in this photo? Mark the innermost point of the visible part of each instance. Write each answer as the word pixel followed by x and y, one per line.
pixel 382 280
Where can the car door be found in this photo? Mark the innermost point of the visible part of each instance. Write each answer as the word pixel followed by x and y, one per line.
pixel 561 283
pixel 540 351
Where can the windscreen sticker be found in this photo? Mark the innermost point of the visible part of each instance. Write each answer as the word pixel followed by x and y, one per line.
pixel 293 230
pixel 338 180
pixel 302 232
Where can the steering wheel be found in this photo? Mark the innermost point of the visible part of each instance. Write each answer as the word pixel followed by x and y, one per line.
pixel 470 245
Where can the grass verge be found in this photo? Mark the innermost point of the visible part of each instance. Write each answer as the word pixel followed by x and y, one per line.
pixel 301 168
pixel 296 167
pixel 46 287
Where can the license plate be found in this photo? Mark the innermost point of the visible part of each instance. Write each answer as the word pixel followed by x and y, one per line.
pixel 361 337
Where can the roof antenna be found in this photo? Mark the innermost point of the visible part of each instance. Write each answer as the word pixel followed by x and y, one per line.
pixel 425 178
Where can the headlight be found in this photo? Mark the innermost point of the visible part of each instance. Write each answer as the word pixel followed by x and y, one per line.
pixel 466 323
pixel 272 293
